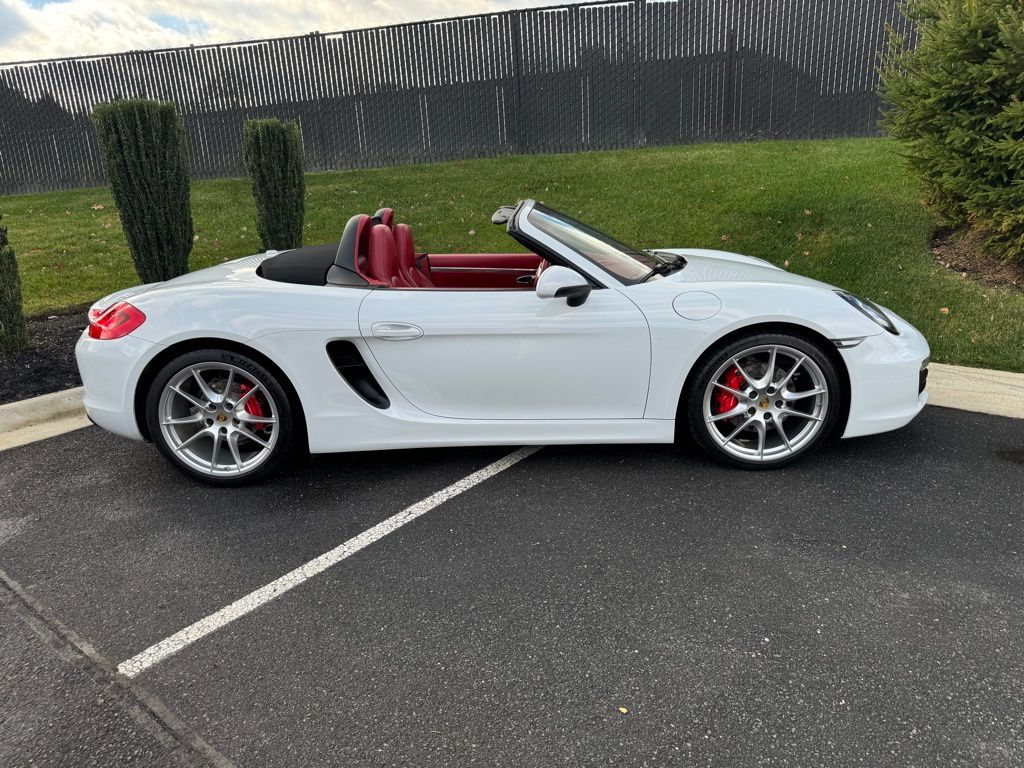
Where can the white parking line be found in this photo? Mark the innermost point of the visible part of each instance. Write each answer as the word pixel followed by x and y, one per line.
pixel 171 645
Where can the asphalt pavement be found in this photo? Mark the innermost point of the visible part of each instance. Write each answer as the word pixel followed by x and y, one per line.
pixel 587 606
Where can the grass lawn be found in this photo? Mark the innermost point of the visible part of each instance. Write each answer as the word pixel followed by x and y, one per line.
pixel 842 211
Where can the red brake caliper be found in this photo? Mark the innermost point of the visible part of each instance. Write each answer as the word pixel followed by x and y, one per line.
pixel 253 406
pixel 726 401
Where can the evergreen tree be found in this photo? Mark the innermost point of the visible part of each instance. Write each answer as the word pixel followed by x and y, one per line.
pixel 273 157
pixel 13 336
pixel 956 100
pixel 146 158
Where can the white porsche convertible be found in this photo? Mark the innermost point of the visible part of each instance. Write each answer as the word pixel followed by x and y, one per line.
pixel 370 344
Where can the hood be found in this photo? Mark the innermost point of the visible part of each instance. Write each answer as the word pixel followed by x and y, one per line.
pixel 709 266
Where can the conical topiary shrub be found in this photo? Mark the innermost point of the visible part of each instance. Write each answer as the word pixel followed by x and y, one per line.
pixel 146 157
pixel 13 336
pixel 273 156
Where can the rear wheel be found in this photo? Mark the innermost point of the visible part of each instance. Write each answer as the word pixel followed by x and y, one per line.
pixel 764 401
pixel 220 417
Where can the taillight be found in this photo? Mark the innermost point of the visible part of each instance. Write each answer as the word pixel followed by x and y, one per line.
pixel 115 322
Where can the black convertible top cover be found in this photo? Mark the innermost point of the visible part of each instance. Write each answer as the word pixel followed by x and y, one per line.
pixel 306 266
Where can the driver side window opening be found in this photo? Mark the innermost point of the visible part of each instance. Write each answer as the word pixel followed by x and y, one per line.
pixel 387 256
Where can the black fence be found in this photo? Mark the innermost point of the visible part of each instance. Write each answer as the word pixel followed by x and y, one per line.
pixel 578 77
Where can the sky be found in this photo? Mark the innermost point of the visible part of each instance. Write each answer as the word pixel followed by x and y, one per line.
pixel 43 29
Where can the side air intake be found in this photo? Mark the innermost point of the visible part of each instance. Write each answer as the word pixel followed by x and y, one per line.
pixel 353 369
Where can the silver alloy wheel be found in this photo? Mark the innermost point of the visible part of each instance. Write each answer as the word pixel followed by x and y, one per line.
pixel 218 419
pixel 776 406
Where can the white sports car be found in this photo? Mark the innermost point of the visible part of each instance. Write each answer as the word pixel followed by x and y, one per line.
pixel 369 344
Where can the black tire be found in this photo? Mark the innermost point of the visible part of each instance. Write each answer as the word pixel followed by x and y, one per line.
pixel 697 390
pixel 284 430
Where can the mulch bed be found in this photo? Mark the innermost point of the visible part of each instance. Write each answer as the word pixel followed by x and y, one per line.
pixel 964 252
pixel 48 365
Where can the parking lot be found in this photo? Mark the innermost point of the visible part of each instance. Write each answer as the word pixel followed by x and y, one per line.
pixel 584 606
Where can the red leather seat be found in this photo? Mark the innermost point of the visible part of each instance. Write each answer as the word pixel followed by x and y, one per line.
pixel 411 275
pixel 381 257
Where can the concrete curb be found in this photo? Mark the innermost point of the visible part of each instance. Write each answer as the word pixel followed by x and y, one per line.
pixel 41 417
pixel 952 386
pixel 976 389
pixel 26 413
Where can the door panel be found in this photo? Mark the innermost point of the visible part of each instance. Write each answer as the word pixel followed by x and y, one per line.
pixel 481 270
pixel 511 355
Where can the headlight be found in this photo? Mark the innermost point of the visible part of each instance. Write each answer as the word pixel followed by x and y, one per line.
pixel 869 309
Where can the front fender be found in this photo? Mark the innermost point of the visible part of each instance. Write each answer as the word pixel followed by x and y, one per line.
pixel 677 343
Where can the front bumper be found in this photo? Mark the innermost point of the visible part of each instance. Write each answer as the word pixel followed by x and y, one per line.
pixel 886 380
pixel 110 370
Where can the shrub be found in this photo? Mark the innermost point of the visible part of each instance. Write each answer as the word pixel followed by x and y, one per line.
pixel 13 337
pixel 146 158
pixel 955 100
pixel 273 156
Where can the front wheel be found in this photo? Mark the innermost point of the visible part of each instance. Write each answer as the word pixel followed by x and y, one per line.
pixel 220 417
pixel 764 400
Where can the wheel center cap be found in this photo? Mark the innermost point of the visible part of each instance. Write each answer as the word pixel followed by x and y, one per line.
pixel 765 404
pixel 221 418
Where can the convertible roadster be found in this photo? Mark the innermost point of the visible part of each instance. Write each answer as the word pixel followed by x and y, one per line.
pixel 371 344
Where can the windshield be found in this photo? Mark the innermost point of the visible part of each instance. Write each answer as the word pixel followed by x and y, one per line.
pixel 623 261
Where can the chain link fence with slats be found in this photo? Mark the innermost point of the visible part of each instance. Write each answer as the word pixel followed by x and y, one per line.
pixel 578 77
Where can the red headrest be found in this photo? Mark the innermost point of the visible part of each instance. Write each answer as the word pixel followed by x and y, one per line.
pixel 383 264
pixel 404 245
pixel 385 216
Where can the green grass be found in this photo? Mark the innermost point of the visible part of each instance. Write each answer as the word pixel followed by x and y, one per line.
pixel 842 211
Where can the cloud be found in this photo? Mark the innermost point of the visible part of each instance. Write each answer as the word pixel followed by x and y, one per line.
pixel 12 22
pixel 40 29
pixel 187 27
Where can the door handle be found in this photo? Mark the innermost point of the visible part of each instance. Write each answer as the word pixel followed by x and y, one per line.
pixel 396 331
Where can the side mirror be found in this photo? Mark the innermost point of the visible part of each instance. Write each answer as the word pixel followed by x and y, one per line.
pixel 563 283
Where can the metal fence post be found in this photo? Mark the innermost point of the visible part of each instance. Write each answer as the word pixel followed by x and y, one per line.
pixel 729 112
pixel 517 80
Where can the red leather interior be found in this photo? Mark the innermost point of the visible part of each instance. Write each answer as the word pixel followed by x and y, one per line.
pixel 385 216
pixel 383 263
pixel 482 270
pixel 411 274
pixel 524 261
pixel 386 255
